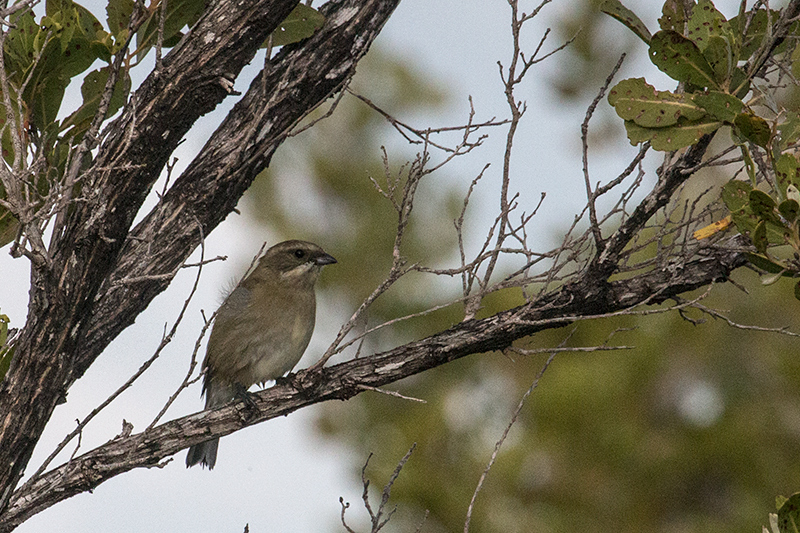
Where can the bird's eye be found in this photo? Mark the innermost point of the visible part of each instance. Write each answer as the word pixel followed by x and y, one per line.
pixel 299 254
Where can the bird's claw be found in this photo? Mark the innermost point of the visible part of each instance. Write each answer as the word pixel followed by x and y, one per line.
pixel 247 397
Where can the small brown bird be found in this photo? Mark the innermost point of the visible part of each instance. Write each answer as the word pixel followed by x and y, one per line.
pixel 261 329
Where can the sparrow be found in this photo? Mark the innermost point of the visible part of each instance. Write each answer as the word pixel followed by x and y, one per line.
pixel 261 329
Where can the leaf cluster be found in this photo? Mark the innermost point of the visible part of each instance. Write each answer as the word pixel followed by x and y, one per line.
pixel 712 58
pixel 715 61
pixel 43 55
pixel 768 222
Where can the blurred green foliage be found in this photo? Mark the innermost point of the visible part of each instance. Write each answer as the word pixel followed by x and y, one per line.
pixel 694 429
pixel 596 48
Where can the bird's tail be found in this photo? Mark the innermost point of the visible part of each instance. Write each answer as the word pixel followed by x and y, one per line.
pixel 204 453
pixel 217 394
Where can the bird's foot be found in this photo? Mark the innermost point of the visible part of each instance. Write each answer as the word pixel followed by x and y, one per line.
pixel 246 397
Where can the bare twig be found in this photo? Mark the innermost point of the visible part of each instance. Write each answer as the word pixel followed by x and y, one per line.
pixel 500 442
pixel 187 379
pixel 162 17
pixel 591 195
pixel 327 113
pixel 379 518
pixel 392 393
pixel 424 135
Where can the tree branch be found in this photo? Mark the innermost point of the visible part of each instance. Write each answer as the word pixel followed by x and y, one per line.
pixel 345 380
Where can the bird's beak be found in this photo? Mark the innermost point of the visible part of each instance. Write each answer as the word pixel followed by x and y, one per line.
pixel 325 259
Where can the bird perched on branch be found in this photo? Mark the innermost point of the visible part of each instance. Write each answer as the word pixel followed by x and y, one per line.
pixel 261 329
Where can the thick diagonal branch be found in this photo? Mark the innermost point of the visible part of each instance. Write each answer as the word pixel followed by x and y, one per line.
pixel 194 77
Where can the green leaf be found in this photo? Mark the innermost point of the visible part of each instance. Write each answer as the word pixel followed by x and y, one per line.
pixel 750 207
pixel 615 9
pixel 681 59
pixel 4 320
pixel 739 84
pixel 89 25
pixel 785 172
pixel 721 106
pixel 59 23
pixel 101 42
pixel 746 222
pixel 756 32
pixel 196 14
pixel 8 225
pixel 759 236
pixel 71 23
pixel 71 54
pixel 767 265
pixel 92 91
pixel 179 14
pixel 47 99
pixel 792 193
pixel 635 100
pixel 762 204
pixel 60 59
pixel 789 209
pixel 5 353
pixel 705 22
pixel 301 24
pixel 94 83
pixel 749 164
pixel 684 133
pixel 736 195
pixel 172 41
pixel 54 7
pixel 118 16
pixel 673 16
pixel 770 279
pixel 19 45
pixel 789 130
pixel 6 144
pixel 777 233
pixel 789 512
pixel 753 128
pixel 5 361
pixel 721 57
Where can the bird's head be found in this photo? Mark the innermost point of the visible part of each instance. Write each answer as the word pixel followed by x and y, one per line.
pixel 294 261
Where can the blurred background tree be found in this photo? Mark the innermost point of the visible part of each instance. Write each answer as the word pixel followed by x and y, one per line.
pixel 695 428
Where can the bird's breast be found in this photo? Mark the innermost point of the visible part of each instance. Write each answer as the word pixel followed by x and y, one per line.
pixel 261 336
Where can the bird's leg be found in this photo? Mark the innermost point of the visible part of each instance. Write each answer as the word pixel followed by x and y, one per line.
pixel 245 396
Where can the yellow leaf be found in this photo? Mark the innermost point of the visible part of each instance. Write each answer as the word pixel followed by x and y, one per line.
pixel 711 229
